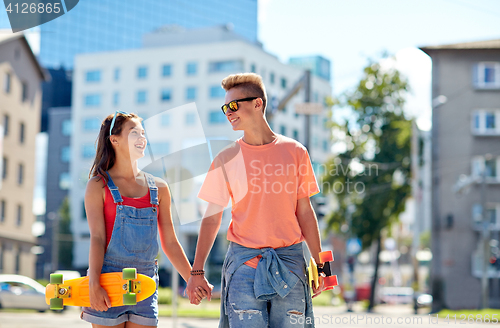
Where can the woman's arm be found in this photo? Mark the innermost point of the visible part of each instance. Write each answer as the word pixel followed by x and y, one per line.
pixel 169 242
pixel 94 207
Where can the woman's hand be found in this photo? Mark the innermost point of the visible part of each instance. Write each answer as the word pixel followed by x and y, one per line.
pixel 99 299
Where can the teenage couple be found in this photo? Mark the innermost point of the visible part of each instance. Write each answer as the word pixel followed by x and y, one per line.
pixel 268 178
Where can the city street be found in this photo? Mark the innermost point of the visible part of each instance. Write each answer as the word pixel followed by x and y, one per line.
pixel 393 316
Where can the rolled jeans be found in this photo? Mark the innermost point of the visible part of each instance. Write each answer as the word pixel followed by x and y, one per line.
pixel 245 311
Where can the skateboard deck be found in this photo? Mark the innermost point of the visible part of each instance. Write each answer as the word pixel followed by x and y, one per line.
pixel 314 272
pixel 123 288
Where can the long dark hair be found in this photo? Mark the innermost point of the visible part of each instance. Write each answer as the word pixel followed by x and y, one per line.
pixel 105 154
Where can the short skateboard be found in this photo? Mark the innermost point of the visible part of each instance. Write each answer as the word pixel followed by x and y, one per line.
pixel 123 288
pixel 313 271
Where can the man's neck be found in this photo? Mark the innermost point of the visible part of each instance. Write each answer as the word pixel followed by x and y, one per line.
pixel 259 135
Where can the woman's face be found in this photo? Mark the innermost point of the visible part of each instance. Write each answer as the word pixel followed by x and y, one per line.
pixel 133 138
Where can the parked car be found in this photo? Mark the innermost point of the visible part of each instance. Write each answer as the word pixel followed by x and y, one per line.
pixel 20 292
pixel 396 295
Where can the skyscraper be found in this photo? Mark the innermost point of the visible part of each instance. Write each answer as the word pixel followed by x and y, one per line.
pixel 107 25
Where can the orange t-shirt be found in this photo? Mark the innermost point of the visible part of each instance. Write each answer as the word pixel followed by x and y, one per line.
pixel 264 184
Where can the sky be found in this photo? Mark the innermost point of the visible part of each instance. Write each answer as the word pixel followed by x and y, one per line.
pixel 350 32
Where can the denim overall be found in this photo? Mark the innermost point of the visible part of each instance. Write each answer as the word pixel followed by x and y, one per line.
pixel 133 244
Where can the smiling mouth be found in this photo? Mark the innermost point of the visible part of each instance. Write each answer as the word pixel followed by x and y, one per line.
pixel 234 120
pixel 140 146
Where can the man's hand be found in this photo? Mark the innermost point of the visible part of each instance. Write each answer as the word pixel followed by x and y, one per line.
pixel 321 287
pixel 198 288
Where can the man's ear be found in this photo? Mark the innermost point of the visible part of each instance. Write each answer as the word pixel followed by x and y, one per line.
pixel 258 103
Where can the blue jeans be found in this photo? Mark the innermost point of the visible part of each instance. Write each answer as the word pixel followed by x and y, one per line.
pixel 248 312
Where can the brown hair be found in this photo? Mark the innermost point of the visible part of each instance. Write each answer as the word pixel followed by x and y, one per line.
pixel 251 83
pixel 105 155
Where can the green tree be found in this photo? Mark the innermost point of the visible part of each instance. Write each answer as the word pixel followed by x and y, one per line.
pixel 65 237
pixel 371 177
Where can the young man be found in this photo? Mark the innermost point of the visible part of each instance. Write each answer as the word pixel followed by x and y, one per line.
pixel 269 179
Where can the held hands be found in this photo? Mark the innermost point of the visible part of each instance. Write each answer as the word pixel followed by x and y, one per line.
pixel 99 299
pixel 198 288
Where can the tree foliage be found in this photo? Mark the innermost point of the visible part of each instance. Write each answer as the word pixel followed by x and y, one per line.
pixel 371 177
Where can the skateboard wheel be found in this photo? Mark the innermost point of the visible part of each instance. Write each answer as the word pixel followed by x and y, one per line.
pixel 331 281
pixel 56 278
pixel 129 273
pixel 56 304
pixel 326 256
pixel 129 299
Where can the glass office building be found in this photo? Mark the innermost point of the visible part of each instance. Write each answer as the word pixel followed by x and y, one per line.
pixel 105 25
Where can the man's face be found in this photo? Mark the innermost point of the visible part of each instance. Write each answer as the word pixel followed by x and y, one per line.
pixel 245 114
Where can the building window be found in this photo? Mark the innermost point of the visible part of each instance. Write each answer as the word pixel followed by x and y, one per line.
pixel 190 118
pixel 165 120
pixel 216 91
pixel 166 95
pixel 283 130
pixel 66 128
pixel 160 149
pixel 191 93
pixel 65 154
pixel 92 100
pixel 21 133
pixel 20 175
pixel 166 70
pixel 216 117
pixel 283 83
pixel 64 181
pixel 84 213
pixel 19 218
pixel 88 151
pixel 271 78
pixel 5 163
pixel 492 213
pixel 116 98
pixel 325 145
pixel 7 82
pixel 93 76
pixel 6 123
pixel 225 66
pixel 116 74
pixel 490 167
pixel 487 75
pixel 141 97
pixel 191 68
pixel 24 92
pixel 92 124
pixel 253 69
pixel 296 135
pixel 486 122
pixel 142 72
pixel 2 210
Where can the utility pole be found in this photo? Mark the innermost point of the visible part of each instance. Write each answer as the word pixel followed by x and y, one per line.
pixel 485 240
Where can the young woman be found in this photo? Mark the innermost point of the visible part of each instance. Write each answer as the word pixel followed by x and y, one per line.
pixel 126 208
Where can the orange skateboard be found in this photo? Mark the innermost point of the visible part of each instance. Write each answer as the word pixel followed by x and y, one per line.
pixel 123 288
pixel 313 271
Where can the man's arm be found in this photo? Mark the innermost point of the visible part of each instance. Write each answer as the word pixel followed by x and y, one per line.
pixel 208 232
pixel 309 226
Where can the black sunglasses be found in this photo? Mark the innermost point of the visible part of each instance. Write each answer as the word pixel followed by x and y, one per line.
pixel 233 105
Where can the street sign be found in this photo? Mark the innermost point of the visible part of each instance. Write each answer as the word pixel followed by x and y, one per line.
pixel 309 108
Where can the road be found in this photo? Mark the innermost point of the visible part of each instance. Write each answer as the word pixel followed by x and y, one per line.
pixel 394 316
